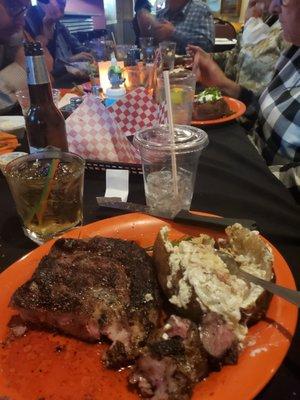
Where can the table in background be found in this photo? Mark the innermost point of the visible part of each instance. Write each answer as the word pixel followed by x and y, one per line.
pixel 232 180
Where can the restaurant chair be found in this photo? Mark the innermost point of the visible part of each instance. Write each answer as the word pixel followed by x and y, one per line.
pixel 224 29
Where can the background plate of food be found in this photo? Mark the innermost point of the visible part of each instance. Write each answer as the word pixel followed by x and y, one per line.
pixel 211 108
pixel 50 365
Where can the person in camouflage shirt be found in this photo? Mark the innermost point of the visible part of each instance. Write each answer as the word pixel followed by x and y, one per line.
pixel 252 61
pixel 275 114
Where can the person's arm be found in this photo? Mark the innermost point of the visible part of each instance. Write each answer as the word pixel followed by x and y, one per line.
pixel 202 35
pixel 75 46
pixel 201 32
pixel 147 22
pixel 208 73
pixel 12 78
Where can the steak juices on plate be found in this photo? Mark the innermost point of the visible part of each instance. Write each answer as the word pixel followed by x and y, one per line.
pixel 98 287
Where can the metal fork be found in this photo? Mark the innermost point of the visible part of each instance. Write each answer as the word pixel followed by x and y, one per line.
pixel 293 296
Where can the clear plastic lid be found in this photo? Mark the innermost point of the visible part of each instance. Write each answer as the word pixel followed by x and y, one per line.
pixel 187 139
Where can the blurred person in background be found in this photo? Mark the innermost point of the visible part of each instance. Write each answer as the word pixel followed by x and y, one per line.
pixel 275 115
pixel 43 25
pixel 142 21
pixel 186 22
pixel 12 58
pixel 252 61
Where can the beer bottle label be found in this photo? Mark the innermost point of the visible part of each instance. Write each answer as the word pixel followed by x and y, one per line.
pixel 37 73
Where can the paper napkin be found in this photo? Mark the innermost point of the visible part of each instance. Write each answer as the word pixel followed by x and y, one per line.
pixel 93 134
pixel 99 133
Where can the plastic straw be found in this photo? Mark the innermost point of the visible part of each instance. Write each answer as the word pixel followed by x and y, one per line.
pixel 113 38
pixel 153 72
pixel 40 208
pixel 171 131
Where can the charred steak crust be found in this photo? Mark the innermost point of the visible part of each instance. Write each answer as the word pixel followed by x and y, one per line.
pixel 93 287
pixel 171 363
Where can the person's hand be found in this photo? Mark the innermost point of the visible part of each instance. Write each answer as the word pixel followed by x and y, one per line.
pixel 79 73
pixel 83 56
pixel 209 73
pixel 206 70
pixel 164 30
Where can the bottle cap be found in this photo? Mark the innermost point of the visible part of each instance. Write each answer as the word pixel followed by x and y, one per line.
pixel 33 49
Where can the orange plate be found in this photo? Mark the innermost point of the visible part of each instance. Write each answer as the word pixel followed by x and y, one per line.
pixel 50 366
pixel 237 107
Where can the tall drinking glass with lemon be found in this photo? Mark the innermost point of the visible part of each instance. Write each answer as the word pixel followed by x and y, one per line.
pixel 182 84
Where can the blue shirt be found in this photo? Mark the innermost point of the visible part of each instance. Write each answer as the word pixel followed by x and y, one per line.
pixel 193 25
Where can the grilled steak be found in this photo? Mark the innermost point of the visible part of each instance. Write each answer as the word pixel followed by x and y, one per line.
pixel 219 341
pixel 94 287
pixel 172 362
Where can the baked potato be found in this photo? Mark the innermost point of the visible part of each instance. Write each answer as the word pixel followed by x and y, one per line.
pixel 210 104
pixel 196 280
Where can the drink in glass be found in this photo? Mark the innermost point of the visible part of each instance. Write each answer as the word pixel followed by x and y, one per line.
pixel 182 86
pixel 47 188
pixel 155 148
pixel 147 49
pixel 167 53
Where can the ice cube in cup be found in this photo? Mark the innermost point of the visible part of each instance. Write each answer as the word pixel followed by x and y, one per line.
pixel 155 148
pixel 182 87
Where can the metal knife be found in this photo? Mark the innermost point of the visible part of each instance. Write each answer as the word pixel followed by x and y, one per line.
pixel 183 217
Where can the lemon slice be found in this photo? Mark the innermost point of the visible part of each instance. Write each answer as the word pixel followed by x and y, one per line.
pixel 177 95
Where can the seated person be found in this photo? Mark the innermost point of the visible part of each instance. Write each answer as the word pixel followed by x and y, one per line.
pixel 12 58
pixel 186 22
pixel 275 114
pixel 252 62
pixel 142 9
pixel 43 25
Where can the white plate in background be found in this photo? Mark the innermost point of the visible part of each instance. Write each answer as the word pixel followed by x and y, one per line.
pixel 14 124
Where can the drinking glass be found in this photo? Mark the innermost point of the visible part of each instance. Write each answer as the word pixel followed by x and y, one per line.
pixel 182 86
pixel 47 188
pixel 24 100
pixel 147 49
pixel 167 53
pixel 155 148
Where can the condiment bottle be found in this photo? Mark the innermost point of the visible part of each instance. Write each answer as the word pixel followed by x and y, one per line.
pixel 45 124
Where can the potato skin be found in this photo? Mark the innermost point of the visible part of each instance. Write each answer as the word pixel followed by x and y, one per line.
pixel 162 266
pixel 161 262
pixel 194 311
pixel 252 315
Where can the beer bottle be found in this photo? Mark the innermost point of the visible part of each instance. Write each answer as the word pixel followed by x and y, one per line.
pixel 45 124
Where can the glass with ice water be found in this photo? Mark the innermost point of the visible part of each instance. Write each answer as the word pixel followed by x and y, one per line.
pixel 155 149
pixel 182 86
pixel 48 189
pixel 167 53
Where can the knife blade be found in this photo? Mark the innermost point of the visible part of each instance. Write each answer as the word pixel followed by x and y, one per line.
pixel 183 217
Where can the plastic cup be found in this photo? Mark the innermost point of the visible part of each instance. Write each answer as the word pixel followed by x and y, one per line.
pixel 47 188
pixel 167 52
pixel 182 86
pixel 155 149
pixel 24 100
